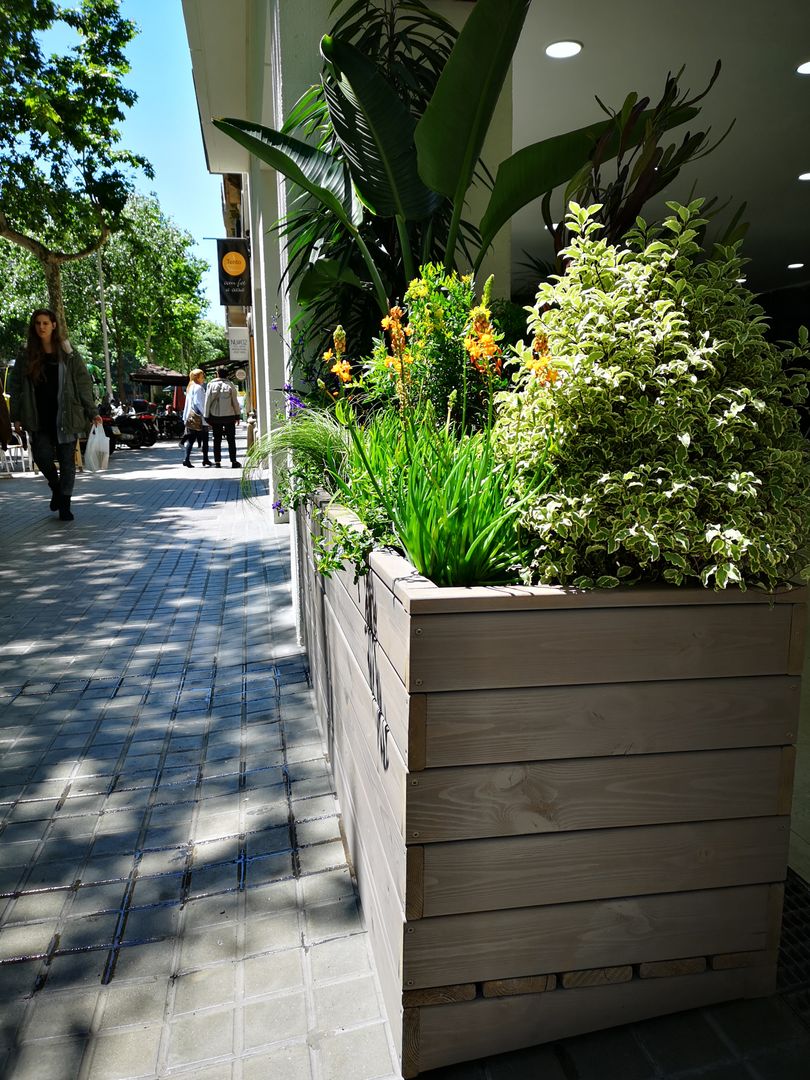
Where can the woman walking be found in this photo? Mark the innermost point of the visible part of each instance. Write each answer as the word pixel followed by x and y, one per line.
pixel 52 399
pixel 194 418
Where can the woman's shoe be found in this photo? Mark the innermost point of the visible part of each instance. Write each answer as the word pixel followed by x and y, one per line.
pixel 207 464
pixel 64 510
pixel 188 464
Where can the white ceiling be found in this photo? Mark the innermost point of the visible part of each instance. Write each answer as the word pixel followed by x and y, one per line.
pixel 631 45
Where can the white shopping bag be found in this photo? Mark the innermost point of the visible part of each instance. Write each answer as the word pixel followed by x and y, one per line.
pixel 97 451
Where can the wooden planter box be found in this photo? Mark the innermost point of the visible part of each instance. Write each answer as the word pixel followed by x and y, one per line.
pixel 565 810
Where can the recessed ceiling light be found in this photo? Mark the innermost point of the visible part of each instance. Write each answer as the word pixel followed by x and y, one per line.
pixel 795 266
pixel 562 50
pixel 804 176
pixel 803 69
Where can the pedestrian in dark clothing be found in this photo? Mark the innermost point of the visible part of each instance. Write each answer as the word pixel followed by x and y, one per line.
pixel 52 399
pixel 222 411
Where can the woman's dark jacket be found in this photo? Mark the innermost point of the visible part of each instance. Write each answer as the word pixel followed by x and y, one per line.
pixel 77 406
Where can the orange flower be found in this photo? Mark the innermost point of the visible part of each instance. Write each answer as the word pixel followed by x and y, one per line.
pixel 343 370
pixel 481 343
pixel 542 370
pixel 328 355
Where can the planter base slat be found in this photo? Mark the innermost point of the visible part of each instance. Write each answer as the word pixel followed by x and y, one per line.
pixel 486 1026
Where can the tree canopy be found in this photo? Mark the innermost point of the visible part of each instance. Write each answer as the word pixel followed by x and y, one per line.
pixel 64 179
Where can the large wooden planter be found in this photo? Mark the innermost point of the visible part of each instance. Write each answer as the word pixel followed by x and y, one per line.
pixel 565 810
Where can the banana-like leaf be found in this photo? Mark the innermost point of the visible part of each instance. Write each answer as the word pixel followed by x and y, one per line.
pixel 375 130
pixel 324 274
pixel 316 172
pixel 531 172
pixel 451 132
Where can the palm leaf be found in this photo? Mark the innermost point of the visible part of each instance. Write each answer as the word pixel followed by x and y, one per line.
pixel 375 130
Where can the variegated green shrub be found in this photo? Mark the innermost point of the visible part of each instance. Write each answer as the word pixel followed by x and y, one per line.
pixel 674 434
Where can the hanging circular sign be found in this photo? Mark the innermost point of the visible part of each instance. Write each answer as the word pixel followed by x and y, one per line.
pixel 233 263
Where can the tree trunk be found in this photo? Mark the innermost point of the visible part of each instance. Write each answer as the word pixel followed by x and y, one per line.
pixel 52 268
pixel 119 355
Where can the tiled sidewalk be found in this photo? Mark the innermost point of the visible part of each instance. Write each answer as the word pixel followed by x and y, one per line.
pixel 175 899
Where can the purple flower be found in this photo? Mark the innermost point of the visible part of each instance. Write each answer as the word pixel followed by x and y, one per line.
pixel 274 320
pixel 278 506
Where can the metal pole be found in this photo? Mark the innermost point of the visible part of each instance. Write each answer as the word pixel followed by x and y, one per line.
pixel 104 338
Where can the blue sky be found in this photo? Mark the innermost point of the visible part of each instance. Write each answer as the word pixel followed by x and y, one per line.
pixel 164 126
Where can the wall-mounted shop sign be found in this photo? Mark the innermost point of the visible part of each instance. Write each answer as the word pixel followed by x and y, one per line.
pixel 233 261
pixel 239 347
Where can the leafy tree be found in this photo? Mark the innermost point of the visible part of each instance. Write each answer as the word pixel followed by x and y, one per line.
pixel 63 179
pixel 153 286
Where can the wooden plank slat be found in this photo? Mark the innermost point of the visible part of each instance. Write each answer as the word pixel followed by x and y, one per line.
pixel 421 597
pixel 545 648
pixel 531 984
pixel 787 772
pixel 665 969
pixel 531 723
pixel 383 681
pixel 415 878
pixel 383 773
pixel 606 976
pixel 410 1043
pixel 438 995
pixel 798 629
pixel 486 1026
pixel 598 933
pixel 555 868
pixel 726 961
pixel 417 733
pixel 383 919
pixel 475 801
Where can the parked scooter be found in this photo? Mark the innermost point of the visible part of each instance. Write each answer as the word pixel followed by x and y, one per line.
pixel 127 429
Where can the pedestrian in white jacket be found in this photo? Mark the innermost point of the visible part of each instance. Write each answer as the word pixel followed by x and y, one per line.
pixel 194 418
pixel 222 411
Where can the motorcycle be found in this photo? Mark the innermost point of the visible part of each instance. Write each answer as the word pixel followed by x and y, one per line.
pixel 127 429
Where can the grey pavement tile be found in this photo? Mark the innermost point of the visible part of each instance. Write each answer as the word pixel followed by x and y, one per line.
pixel 152 922
pixel 271 899
pixel 144 961
pixel 205 989
pixel 536 1061
pixel 17 854
pixel 61 1013
pixel 19 979
pixel 88 931
pixel 749 1025
pixel 216 878
pixel 362 1054
pixel 141 1003
pixel 268 841
pixel 274 1019
pixel 318 831
pixel 682 1041
pixel 157 890
pixel 613 1054
pixel 262 934
pixel 56 1059
pixel 788 1063
pixel 26 939
pixel 37 905
pixel 203 947
pixel 93 899
pixel 124 1054
pixel 195 1038
pixel 335 884
pixel 210 911
pixel 347 1004
pixel 272 972
pixel 322 857
pixel 45 874
pixel 291 1062
pixel 223 1070
pixel 267 868
pixel 339 958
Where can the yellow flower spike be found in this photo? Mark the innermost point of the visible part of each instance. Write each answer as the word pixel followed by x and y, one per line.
pixel 339 338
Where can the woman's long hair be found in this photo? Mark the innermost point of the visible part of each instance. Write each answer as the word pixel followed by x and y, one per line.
pixel 34 353
pixel 192 375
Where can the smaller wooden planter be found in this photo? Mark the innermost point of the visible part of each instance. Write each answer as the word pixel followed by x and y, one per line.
pixel 565 810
